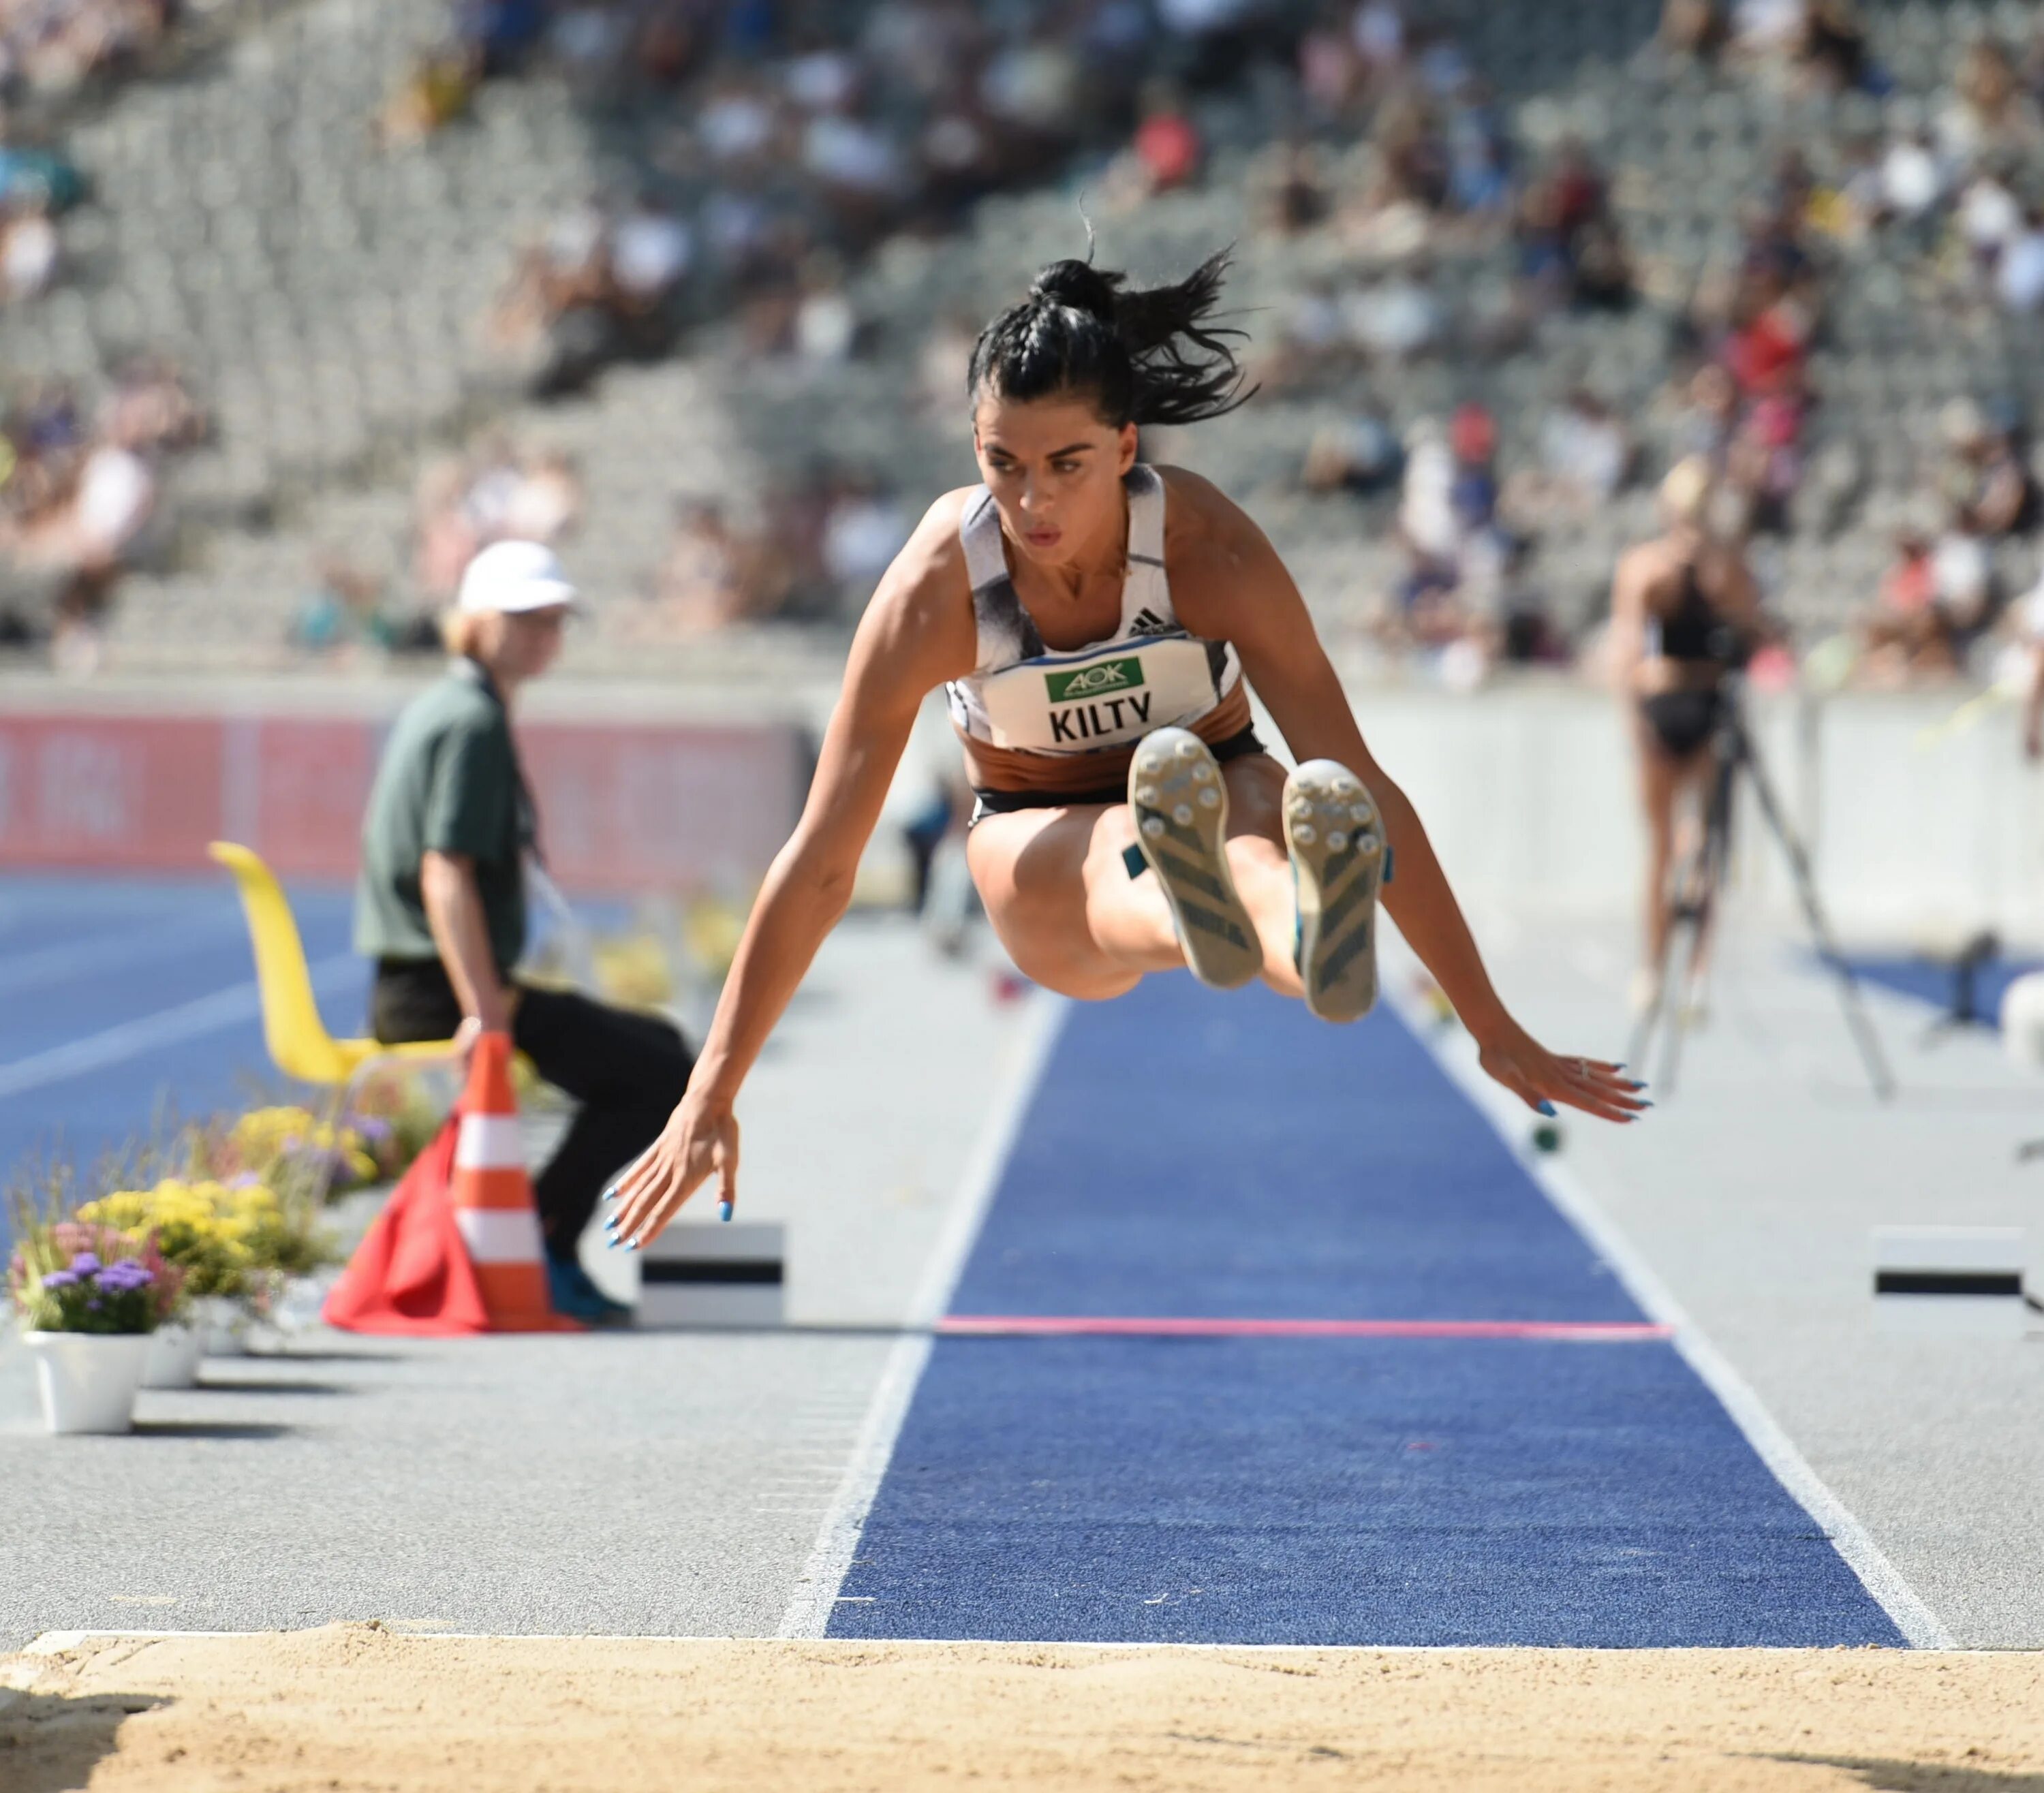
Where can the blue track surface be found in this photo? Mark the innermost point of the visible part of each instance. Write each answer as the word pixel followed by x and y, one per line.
pixel 122 963
pixel 1932 983
pixel 1187 1154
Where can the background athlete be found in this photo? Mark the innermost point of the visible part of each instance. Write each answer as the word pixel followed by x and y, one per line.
pixel 1094 619
pixel 1684 608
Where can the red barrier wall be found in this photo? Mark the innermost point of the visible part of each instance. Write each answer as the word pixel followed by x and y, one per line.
pixel 645 807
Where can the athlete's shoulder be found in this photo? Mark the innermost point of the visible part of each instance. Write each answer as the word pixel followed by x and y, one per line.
pixel 921 616
pixel 932 560
pixel 1200 517
pixel 1644 566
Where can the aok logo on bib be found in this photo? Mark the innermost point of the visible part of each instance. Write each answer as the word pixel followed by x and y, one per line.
pixel 1097 700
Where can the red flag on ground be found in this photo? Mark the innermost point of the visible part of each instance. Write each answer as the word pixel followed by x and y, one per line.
pixel 411 1273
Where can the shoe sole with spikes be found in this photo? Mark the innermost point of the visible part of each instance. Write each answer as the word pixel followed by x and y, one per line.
pixel 1335 839
pixel 1179 801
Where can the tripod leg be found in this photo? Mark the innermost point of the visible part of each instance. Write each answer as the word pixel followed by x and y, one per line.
pixel 1857 1020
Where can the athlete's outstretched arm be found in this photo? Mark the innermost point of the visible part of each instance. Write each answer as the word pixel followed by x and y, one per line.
pixel 916 633
pixel 1242 592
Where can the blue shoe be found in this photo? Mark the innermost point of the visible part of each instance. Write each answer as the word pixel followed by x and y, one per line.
pixel 575 1297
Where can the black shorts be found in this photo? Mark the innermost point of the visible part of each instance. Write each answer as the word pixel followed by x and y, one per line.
pixel 1006 803
pixel 1683 722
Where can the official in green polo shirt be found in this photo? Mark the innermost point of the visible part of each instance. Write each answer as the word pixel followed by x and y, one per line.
pixel 440 904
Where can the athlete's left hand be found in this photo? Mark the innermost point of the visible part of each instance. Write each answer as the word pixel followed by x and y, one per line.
pixel 1540 1080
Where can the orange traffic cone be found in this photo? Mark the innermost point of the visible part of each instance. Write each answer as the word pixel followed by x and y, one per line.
pixel 492 1199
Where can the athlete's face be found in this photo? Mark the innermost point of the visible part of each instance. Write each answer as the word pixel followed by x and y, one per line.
pixel 1055 469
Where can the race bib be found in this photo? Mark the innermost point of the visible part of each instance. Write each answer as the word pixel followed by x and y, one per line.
pixel 1107 696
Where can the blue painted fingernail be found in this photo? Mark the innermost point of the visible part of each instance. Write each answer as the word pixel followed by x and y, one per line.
pixel 1646 1104
pixel 1547 1109
pixel 610 1195
pixel 724 1211
pixel 631 1244
pixel 610 1225
pixel 1635 1086
pixel 610 1244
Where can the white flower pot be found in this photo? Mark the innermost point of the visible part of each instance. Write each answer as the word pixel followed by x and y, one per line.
pixel 88 1380
pixel 174 1350
pixel 223 1326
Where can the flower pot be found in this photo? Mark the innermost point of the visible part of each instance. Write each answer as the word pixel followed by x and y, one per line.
pixel 222 1323
pixel 88 1380
pixel 174 1350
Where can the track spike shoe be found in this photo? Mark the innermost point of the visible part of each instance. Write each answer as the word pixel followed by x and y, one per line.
pixel 1178 801
pixel 1335 838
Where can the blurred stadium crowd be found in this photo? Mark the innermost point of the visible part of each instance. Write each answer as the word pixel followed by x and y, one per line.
pixel 686 286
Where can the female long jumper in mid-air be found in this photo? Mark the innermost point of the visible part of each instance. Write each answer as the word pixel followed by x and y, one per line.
pixel 1097 622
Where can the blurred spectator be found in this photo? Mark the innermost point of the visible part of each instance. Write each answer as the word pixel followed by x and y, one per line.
pixel 864 528
pixel 1693 30
pixel 1167 151
pixel 28 249
pixel 711 578
pixel 1963 578
pixel 1289 189
pixel 435 90
pixel 1907 636
pixel 54 45
pixel 1395 318
pixel 1571 249
pixel 1988 112
pixel 1912 183
pixel 1707 417
pixel 651 251
pixel 1585 455
pixel 826 327
pixel 1833 51
pixel 1981 478
pixel 2019 276
pixel 499 492
pixel 341 609
pixel 1361 455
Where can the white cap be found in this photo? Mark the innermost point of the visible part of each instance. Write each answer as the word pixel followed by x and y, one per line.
pixel 512 577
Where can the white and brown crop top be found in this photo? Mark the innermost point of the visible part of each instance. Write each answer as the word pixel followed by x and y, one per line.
pixel 1032 720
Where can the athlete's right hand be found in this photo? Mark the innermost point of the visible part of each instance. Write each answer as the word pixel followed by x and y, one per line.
pixel 698 1140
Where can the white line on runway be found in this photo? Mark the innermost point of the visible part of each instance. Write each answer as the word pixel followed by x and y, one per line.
pixel 167 1026
pixel 1456 1054
pixel 808 1613
pixel 105 952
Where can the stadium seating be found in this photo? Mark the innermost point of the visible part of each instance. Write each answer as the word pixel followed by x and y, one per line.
pixel 324 294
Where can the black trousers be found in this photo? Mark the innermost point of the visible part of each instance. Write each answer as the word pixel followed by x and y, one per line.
pixel 626 1071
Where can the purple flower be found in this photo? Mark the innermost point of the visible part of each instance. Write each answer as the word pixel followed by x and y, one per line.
pixel 244 1179
pixel 86 1264
pixel 370 1127
pixel 60 1279
pixel 124 1277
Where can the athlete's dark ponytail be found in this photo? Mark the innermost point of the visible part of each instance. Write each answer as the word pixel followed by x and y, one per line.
pixel 1142 355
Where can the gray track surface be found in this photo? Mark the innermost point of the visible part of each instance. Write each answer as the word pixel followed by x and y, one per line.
pixel 676 1483
pixel 1752 1191
pixel 654 1483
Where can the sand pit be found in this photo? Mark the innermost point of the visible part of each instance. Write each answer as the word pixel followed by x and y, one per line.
pixel 356 1707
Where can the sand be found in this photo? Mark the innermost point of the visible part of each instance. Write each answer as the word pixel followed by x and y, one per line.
pixel 347 1708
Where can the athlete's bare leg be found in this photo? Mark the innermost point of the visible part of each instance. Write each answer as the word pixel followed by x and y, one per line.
pixel 1059 894
pixel 1665 784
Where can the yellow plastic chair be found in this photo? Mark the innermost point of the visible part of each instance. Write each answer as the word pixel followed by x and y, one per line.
pixel 292 1029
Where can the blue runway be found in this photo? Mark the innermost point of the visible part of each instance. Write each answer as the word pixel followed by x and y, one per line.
pixel 1193 1156
pixel 123 999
